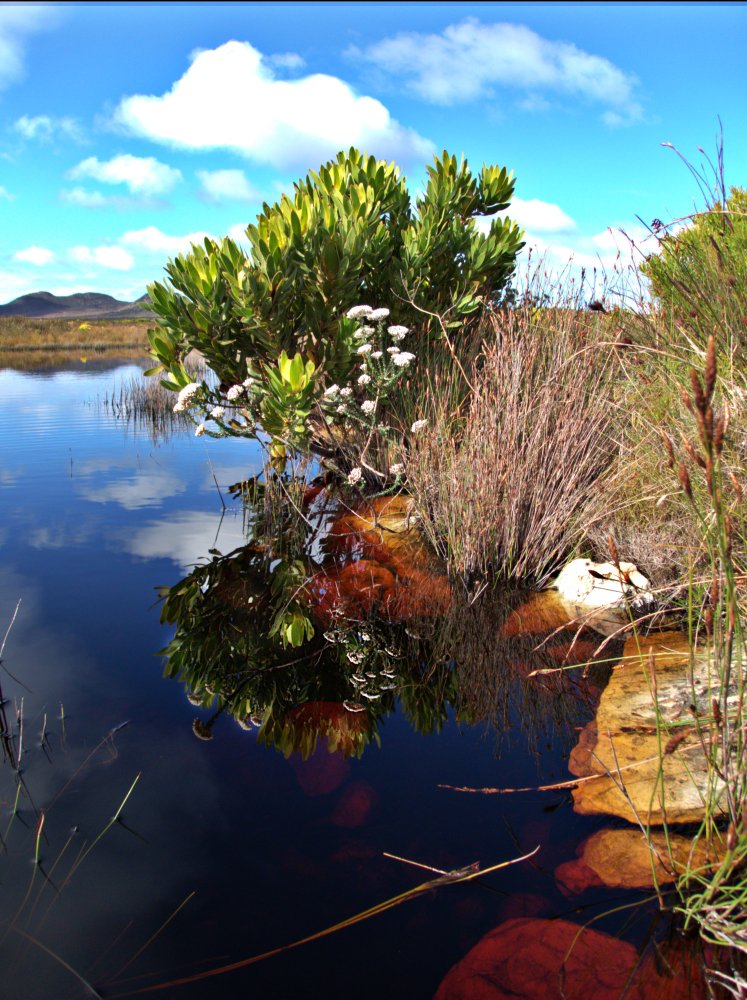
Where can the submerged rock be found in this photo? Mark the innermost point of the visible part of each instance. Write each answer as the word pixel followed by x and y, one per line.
pixel 629 859
pixel 647 749
pixel 531 959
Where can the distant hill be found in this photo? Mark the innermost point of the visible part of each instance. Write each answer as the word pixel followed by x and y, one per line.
pixel 81 305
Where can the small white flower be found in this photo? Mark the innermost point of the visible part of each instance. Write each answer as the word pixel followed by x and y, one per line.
pixel 418 426
pixel 234 392
pixel 377 354
pixel 364 349
pixel 403 359
pixel 364 331
pixel 248 382
pixel 331 390
pixel 355 476
pixel 188 392
pixel 359 311
pixel 398 332
pixel 346 393
pixel 180 408
pixel 397 469
pixel 341 409
pixel 218 412
pixel 377 314
pixel 199 430
pixel 363 379
pixel 368 406
pixel 392 350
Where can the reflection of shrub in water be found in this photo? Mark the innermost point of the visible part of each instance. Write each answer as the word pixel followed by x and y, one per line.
pixel 521 676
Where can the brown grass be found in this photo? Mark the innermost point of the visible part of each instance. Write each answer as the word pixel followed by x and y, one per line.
pixel 509 483
pixel 21 333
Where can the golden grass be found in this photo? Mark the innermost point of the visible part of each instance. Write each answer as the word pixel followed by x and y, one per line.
pixel 21 333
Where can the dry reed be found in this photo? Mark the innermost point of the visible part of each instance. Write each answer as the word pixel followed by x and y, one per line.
pixel 508 484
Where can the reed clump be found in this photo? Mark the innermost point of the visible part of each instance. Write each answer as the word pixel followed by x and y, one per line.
pixel 507 481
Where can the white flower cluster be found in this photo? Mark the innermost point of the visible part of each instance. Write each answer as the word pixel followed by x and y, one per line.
pixel 418 426
pixel 355 476
pixel 368 406
pixel 359 312
pixel 218 412
pixel 183 400
pixel 403 359
pixel 234 392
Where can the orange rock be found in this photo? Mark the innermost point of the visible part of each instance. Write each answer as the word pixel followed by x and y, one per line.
pixel 621 750
pixel 624 859
pixel 532 959
pixel 536 959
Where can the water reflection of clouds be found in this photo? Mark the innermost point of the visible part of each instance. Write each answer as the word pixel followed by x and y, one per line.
pixel 185 538
pixel 148 488
pixel 9 477
pixel 61 535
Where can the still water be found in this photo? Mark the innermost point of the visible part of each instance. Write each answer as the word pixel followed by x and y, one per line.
pixel 234 847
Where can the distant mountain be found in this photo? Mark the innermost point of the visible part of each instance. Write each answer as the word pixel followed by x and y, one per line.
pixel 81 305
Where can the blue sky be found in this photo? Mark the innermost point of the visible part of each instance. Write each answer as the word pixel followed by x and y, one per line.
pixel 128 130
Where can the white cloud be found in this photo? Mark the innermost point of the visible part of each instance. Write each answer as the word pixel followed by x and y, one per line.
pixel 286 60
pixel 598 265
pixel 86 199
pixel 237 233
pixel 12 285
pixel 229 98
pixel 39 256
pixel 17 21
pixel 44 128
pixel 6 195
pixel 185 538
pixel 147 488
pixel 143 175
pixel 222 185
pixel 153 240
pixel 470 59
pixel 115 258
pixel 539 216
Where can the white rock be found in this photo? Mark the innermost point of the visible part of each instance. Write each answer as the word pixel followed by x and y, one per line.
pixel 617 590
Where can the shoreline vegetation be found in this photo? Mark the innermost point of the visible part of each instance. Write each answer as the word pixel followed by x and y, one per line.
pixel 530 425
pixel 27 344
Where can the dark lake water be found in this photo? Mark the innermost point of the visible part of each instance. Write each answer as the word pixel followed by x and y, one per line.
pixel 252 849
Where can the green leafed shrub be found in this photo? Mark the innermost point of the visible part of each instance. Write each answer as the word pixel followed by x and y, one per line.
pixel 349 234
pixel 699 275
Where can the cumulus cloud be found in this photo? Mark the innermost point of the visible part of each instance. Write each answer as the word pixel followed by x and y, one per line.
pixel 152 240
pixel 116 258
pixel 144 175
pixel 539 216
pixel 607 257
pixel 44 128
pixel 472 60
pixel 17 21
pixel 40 256
pixel 230 98
pixel 287 60
pixel 85 199
pixel 226 185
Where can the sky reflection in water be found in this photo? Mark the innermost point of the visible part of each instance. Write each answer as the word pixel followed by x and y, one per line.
pixel 95 517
